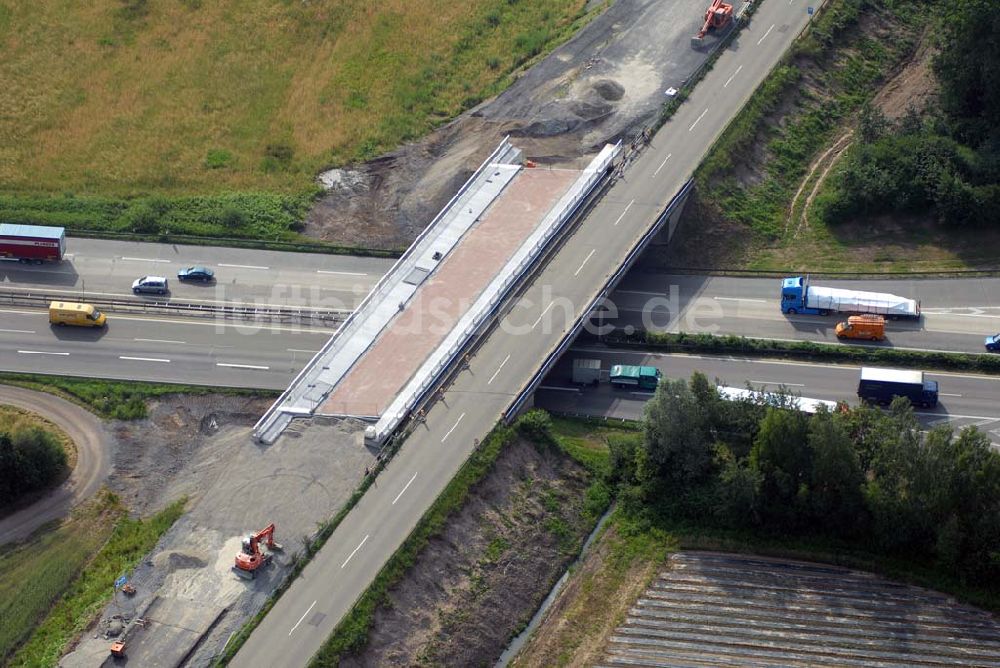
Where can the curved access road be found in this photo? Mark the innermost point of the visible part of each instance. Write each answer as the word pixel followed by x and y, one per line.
pixel 93 462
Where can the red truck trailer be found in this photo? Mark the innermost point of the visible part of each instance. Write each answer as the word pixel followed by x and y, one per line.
pixel 32 243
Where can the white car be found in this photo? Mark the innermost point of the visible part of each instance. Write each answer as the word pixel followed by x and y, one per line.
pixel 156 285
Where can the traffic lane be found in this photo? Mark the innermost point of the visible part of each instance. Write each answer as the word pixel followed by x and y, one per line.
pixel 965 399
pixel 960 394
pixel 676 311
pixel 937 333
pixel 110 267
pixel 943 293
pixel 218 353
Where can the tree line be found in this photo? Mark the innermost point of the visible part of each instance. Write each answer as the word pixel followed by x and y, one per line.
pixel 870 478
pixel 31 458
pixel 946 159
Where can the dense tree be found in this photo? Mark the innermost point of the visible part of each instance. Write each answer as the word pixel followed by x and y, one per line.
pixel 30 459
pixel 866 475
pixel 968 67
pixel 781 459
pixel 835 479
pixel 678 445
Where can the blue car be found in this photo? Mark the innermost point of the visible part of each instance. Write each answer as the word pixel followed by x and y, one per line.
pixel 993 343
pixel 196 273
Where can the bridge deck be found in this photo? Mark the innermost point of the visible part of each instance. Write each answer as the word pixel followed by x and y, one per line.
pixel 447 294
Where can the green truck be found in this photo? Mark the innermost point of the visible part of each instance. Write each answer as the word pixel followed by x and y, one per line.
pixel 642 377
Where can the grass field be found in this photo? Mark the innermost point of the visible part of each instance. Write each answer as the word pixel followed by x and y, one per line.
pixel 124 97
pixel 74 564
pixel 114 399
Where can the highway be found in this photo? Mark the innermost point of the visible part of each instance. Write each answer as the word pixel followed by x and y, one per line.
pixel 964 398
pixel 309 610
pixel 957 313
pixel 107 269
pixel 198 352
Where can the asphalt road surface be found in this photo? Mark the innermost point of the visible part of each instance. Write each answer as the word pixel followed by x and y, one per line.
pixel 93 446
pixel 310 609
pixel 957 313
pixel 218 353
pixel 965 399
pixel 107 268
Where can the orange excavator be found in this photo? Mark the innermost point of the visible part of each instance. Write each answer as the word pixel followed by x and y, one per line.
pixel 251 558
pixel 717 16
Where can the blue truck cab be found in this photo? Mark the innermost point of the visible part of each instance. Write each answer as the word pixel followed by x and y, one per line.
pixel 993 343
pixel 793 296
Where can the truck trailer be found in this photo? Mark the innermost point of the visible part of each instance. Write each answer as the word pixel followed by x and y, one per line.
pixel 880 386
pixel 32 243
pixel 798 296
pixel 586 372
pixel 643 377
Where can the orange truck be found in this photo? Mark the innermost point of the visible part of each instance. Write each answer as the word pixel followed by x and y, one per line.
pixel 868 327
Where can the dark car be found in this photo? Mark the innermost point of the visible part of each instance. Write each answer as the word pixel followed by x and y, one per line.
pixel 196 273
pixel 993 343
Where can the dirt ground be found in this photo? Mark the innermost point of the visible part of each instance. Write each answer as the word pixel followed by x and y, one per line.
pixel 706 240
pixel 602 85
pixel 479 582
pixel 586 611
pixel 200 447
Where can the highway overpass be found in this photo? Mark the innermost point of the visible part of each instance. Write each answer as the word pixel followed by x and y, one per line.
pixel 506 361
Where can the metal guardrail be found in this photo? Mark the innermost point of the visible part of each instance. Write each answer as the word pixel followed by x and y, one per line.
pixel 277 415
pixel 515 407
pixel 226 311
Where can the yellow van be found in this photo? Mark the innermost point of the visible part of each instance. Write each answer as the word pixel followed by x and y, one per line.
pixel 79 315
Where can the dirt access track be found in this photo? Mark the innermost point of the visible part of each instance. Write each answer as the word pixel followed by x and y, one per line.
pixel 95 449
pixel 602 85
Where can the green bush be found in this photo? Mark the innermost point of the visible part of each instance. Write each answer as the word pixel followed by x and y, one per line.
pixel 218 158
pixel 31 458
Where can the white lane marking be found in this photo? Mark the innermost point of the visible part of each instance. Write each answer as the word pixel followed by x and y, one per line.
pixel 556 388
pixel 497 372
pixel 740 299
pixel 771 382
pixel 542 315
pixel 453 427
pixel 405 487
pixel 18 331
pixel 730 79
pixel 39 352
pixel 765 34
pixel 145 259
pixel 159 341
pixel 641 292
pixel 661 164
pixel 698 119
pixel 340 273
pixel 580 268
pixel 242 366
pixel 363 541
pixel 244 266
pixel 945 394
pixel 627 207
pixel 301 618
pixel 951 416
pixel 144 359
pixel 299 350
pixel 193 301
